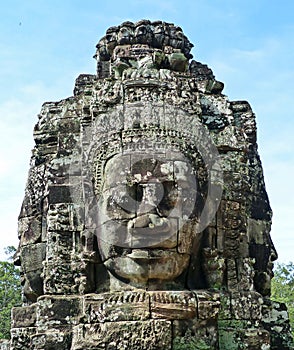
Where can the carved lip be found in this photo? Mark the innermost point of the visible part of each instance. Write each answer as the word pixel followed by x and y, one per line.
pixel 160 240
pixel 149 254
pixel 270 269
pixel 152 231
pixel 139 254
pixel 150 221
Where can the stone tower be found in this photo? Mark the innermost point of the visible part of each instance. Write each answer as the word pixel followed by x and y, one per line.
pixel 145 223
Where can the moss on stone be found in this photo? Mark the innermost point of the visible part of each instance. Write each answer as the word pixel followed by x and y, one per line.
pixel 190 342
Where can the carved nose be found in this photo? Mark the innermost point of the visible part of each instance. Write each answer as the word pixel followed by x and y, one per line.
pixel 274 254
pixel 152 221
pixel 149 199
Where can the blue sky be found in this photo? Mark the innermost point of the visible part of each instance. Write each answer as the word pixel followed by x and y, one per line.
pixel 249 44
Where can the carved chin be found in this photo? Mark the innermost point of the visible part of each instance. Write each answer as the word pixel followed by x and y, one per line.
pixel 143 265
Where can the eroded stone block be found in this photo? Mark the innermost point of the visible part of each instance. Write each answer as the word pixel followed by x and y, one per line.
pixel 121 306
pixel 56 311
pixel 173 305
pixel 30 229
pixel 135 335
pixel 276 321
pixel 21 338
pixel 246 305
pixel 208 304
pixel 195 334
pixel 32 257
pixel 4 344
pixel 239 335
pixel 65 217
pixel 24 316
pixel 52 340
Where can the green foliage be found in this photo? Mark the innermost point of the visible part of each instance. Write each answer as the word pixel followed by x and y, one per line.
pixel 189 342
pixel 10 292
pixel 283 288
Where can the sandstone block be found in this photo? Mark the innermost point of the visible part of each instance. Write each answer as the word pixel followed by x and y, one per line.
pixel 21 338
pixel 55 311
pixel 122 306
pixel 24 316
pixel 173 305
pixel 135 335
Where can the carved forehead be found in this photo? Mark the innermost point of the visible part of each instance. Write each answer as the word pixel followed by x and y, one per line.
pixel 173 166
pixel 149 142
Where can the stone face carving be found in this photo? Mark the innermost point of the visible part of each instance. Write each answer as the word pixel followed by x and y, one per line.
pixel 145 222
pixel 144 218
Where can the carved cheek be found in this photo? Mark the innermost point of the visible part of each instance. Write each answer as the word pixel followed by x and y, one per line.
pixel 117 206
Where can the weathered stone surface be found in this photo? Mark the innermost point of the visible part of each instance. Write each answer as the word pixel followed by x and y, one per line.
pixel 173 305
pixel 246 306
pixel 56 311
pixel 21 338
pixel 24 316
pixel 145 222
pixel 237 335
pixel 114 307
pixel 31 258
pixel 195 334
pixel 4 344
pixel 208 304
pixel 59 339
pixel 136 335
pixel 276 321
pixel 30 229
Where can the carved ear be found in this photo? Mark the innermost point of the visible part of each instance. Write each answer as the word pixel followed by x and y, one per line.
pixel 32 258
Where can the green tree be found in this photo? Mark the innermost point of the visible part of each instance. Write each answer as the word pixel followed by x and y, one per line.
pixel 10 292
pixel 283 288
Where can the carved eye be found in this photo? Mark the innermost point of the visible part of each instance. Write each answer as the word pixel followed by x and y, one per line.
pixel 180 35
pixel 109 37
pixel 126 203
pixel 124 31
pixel 141 30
